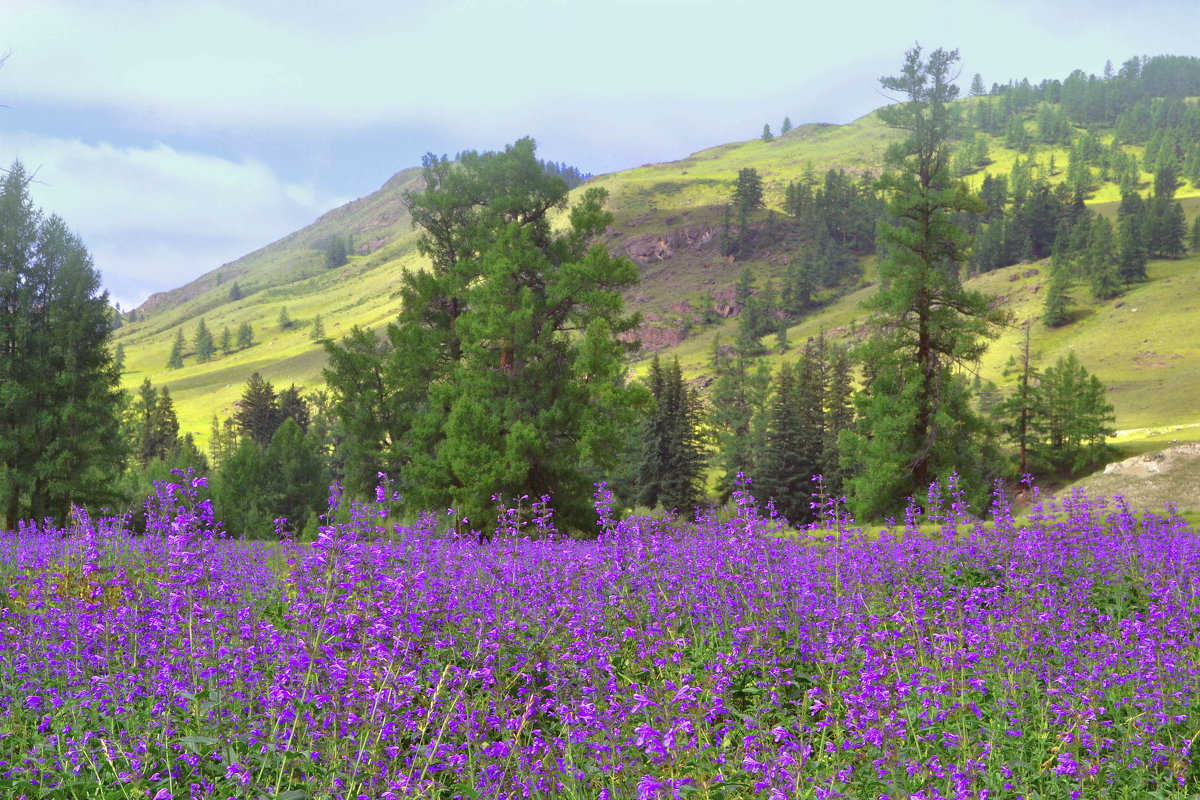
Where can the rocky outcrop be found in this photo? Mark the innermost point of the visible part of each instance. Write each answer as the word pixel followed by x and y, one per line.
pixel 660 247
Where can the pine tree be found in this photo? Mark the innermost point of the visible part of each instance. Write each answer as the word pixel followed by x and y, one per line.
pixel 503 374
pixel 915 422
pixel 317 333
pixel 235 293
pixel 766 134
pixel 119 357
pixel 203 343
pixel 176 359
pixel 245 336
pixel 226 341
pixel 786 127
pixel 1196 235
pixel 285 321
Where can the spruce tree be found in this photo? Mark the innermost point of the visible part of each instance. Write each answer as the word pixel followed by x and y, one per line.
pixel 258 411
pixel 285 321
pixel 672 458
pixel 786 127
pixel 317 332
pixel 176 359
pixel 226 341
pixel 915 423
pixel 60 397
pixel 203 343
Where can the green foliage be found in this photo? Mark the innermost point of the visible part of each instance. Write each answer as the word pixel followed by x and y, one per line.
pixel 296 478
pixel 203 343
pixel 226 341
pixel 503 373
pixel 672 452
pixel 317 331
pixel 748 191
pixel 175 361
pixel 1074 419
pixel 786 127
pixel 257 414
pixel 1100 261
pixel 235 292
pixel 738 398
pixel 335 251
pixel 915 420
pixel 1058 298
pixel 808 410
pixel 59 387
pixel 766 134
pixel 285 321
pixel 245 336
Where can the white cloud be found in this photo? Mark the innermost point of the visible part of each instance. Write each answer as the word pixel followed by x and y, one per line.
pixel 156 217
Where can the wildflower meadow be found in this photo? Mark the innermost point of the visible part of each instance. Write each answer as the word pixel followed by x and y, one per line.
pixel 726 657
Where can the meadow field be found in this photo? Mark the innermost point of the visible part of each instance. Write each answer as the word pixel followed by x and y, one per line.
pixel 947 657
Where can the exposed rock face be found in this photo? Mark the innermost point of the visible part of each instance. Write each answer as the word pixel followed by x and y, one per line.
pixel 655 337
pixel 660 247
pixel 724 305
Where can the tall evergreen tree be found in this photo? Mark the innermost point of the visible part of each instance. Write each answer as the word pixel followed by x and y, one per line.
pixel 915 422
pixel 296 479
pixel 60 397
pixel 175 361
pixel 739 395
pixel 226 341
pixel 1100 261
pixel 503 373
pixel 257 412
pixel 245 336
pixel 672 460
pixel 203 343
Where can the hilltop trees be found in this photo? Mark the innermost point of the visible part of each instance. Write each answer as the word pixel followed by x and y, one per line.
pixel 502 374
pixel 59 388
pixel 915 422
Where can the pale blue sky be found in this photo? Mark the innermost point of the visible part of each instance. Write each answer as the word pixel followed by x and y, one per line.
pixel 174 137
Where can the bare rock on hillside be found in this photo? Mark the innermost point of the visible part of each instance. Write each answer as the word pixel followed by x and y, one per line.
pixel 660 247
pixel 655 337
pixel 724 305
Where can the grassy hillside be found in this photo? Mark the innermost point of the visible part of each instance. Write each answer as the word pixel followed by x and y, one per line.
pixel 1144 345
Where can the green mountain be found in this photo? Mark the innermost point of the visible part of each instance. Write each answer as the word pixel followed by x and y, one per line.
pixel 670 218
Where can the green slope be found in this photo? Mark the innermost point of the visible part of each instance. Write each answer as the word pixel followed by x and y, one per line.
pixel 666 216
